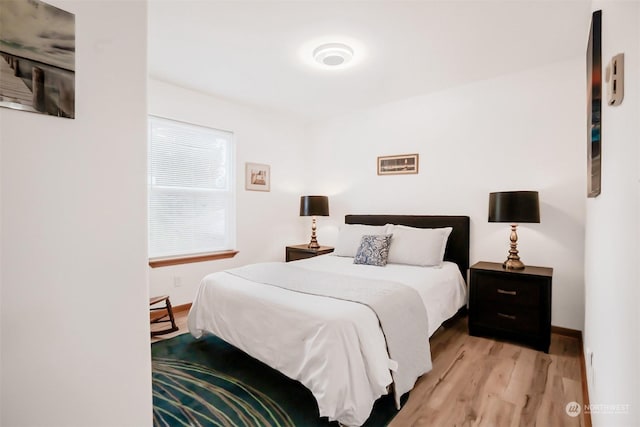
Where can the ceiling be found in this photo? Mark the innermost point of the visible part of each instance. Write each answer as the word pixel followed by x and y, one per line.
pixel 257 52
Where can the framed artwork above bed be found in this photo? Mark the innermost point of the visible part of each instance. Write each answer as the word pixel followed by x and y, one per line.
pixel 401 164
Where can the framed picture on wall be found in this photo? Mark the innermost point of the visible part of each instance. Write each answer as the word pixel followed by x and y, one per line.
pixel 37 58
pixel 257 177
pixel 398 165
pixel 594 105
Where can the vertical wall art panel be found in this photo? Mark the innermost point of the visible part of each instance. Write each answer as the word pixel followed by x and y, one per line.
pixel 37 58
pixel 594 105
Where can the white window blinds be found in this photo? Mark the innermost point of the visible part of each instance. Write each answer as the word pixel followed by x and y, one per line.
pixel 191 189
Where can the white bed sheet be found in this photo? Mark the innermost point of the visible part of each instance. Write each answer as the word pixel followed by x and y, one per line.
pixel 442 289
pixel 334 347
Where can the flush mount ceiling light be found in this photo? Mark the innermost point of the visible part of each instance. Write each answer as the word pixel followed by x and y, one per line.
pixel 333 54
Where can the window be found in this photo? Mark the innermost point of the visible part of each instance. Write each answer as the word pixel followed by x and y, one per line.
pixel 191 190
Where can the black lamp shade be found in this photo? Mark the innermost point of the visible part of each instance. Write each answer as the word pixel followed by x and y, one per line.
pixel 514 207
pixel 314 206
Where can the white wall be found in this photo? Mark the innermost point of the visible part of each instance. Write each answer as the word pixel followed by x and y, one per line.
pixel 266 221
pixel 74 307
pixel 612 231
pixel 521 131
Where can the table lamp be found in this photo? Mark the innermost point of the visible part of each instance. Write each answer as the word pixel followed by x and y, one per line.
pixel 514 207
pixel 314 206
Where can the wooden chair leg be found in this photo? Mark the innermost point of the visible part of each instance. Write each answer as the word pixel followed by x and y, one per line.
pixel 169 313
pixel 173 319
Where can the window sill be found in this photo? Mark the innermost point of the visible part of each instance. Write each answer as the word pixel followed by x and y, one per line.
pixel 164 262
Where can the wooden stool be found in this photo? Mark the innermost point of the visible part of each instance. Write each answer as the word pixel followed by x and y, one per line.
pixel 159 319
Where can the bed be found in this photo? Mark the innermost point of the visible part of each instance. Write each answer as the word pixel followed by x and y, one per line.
pixel 335 347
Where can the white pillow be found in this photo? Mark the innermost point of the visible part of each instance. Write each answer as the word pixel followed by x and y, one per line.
pixel 350 235
pixel 418 246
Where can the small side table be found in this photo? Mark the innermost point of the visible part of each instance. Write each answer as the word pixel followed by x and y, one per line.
pixel 511 304
pixel 296 252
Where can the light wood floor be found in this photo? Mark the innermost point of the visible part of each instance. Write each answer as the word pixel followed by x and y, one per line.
pixel 484 382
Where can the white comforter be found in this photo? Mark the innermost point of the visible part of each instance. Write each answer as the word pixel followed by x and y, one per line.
pixel 334 347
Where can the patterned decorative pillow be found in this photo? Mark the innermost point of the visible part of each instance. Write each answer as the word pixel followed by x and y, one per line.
pixel 373 250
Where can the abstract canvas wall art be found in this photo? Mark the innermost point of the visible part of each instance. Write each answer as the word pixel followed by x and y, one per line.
pixel 594 105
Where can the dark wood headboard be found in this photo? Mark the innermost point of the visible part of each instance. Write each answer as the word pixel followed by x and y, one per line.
pixel 458 245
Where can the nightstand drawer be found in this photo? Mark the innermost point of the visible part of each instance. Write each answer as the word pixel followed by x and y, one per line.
pixel 502 289
pixel 509 319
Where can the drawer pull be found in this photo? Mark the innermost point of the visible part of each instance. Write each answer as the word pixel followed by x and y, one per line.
pixel 502 291
pixel 507 316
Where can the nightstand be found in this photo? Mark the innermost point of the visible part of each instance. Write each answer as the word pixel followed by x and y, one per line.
pixel 511 304
pixel 296 252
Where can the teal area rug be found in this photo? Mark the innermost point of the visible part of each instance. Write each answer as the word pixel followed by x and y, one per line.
pixel 208 382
